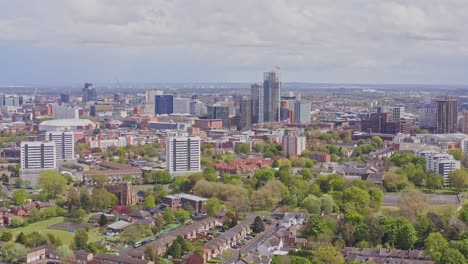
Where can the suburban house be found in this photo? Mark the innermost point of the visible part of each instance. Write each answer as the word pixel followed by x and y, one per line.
pixel 230 238
pixel 271 245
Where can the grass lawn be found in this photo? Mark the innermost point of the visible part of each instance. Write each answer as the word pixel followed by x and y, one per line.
pixel 449 209
pixel 65 236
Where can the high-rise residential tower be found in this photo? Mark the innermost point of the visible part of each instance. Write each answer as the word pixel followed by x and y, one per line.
pixel 183 154
pixel 64 144
pixel 246 113
pixel 89 93
pixel 301 112
pixel 38 155
pixel 271 94
pixel 256 92
pixel 447 116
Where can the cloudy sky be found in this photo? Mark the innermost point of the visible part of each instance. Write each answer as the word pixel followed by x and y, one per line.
pixel 332 41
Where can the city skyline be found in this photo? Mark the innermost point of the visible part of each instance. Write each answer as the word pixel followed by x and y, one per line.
pixel 148 41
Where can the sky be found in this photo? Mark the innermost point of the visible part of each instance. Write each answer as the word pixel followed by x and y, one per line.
pixel 317 41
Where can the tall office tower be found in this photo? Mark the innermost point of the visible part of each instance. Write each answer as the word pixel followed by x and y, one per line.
pixel 181 105
pixel 219 112
pixel 89 93
pixel 230 105
pixel 65 98
pixel 447 116
pixel 428 118
pixel 246 113
pixel 183 154
pixel 64 144
pixel 301 112
pixel 465 122
pixel 149 101
pixel 271 94
pixel 38 155
pixel 197 108
pixel 164 104
pixel 256 92
pixel 398 113
pixel 293 145
pixel 9 100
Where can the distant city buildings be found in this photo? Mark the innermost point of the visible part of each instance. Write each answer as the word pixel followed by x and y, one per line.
pixel 440 163
pixel 164 104
pixel 256 93
pixel 271 93
pixel 301 112
pixel 89 93
pixel 64 112
pixel 183 154
pixel 428 118
pixel 219 112
pixel 9 100
pixel 65 98
pixel 246 113
pixel 293 145
pixel 447 116
pixel 181 105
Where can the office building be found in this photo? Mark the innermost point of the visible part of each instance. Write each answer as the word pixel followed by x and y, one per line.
pixel 166 126
pixel 64 145
pixel 447 116
pixel 183 154
pixel 149 101
pixel 229 104
pixel 181 106
pixel 271 94
pixel 164 104
pixel 65 112
pixel 256 92
pixel 246 114
pixel 197 108
pixel 428 118
pixel 89 93
pixel 101 110
pixel 9 100
pixel 301 112
pixel 38 155
pixel 219 112
pixel 65 98
pixel 398 113
pixel 293 145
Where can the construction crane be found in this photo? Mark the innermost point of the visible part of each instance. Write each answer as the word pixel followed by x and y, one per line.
pixel 33 97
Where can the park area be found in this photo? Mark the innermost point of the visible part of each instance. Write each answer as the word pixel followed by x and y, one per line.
pixel 60 229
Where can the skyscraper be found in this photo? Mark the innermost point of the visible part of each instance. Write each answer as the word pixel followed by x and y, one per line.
pixel 246 113
pixel 271 93
pixel 64 144
pixel 256 91
pixel 219 112
pixel 65 98
pixel 301 112
pixel 398 113
pixel 447 116
pixel 428 118
pixel 150 106
pixel 89 93
pixel 183 154
pixel 164 104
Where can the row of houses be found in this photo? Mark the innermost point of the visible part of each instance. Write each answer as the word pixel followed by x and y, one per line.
pixel 227 240
pixel 6 215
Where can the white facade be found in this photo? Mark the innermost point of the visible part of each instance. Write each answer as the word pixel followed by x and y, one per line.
pixel 150 103
pixel 197 108
pixel 301 112
pixel 37 155
pixel 64 112
pixel 440 163
pixel 183 154
pixel 106 143
pixel 293 145
pixel 181 105
pixel 64 143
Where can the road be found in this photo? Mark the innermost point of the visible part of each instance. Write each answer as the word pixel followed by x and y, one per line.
pixel 252 245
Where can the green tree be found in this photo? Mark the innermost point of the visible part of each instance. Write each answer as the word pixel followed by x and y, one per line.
pixel 159 192
pixel 306 174
pixel 327 204
pixel 433 180
pixel 452 256
pixel 457 154
pixel 102 220
pixel 312 204
pixel 35 239
pixel 175 250
pixel 20 197
pixel 413 203
pixel 258 225
pixel 356 197
pixel 161 177
pixel 65 253
pixel 150 254
pixel 6 236
pixel 265 174
pixel 183 244
pixel 168 215
pixel 377 141
pixel 434 245
pixel 52 183
pixel 149 202
pixel 13 253
pixel 182 214
pixel 101 198
pixel 21 238
pixel 213 206
pixel 244 148
pixel 458 179
pixel 80 239
pixel 328 254
pixel 17 221
pixel 100 179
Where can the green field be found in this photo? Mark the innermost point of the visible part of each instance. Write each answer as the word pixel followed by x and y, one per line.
pixel 65 236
